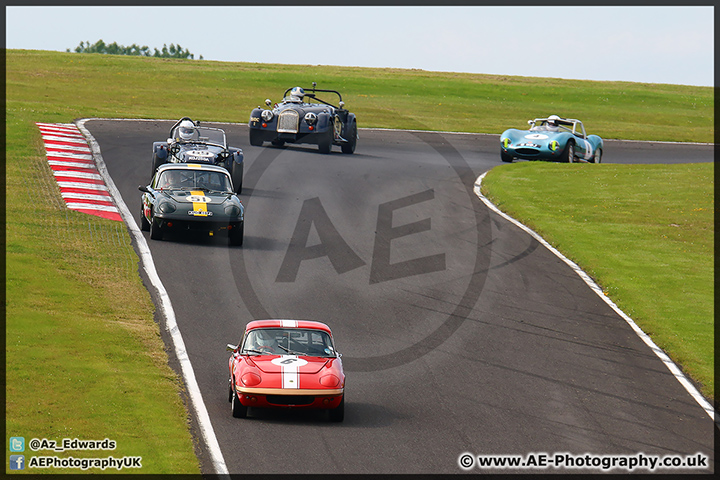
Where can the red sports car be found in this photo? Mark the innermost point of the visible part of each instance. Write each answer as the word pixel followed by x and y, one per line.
pixel 286 363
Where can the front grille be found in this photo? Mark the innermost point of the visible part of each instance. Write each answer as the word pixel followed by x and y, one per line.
pixel 288 122
pixel 290 399
pixel 526 151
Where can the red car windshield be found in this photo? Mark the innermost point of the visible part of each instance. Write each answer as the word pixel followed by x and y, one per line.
pixel 288 341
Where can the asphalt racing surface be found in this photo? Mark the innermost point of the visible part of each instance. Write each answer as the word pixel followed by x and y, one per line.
pixel 459 332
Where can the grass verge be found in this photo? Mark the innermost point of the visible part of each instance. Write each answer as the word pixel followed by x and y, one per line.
pixel 84 358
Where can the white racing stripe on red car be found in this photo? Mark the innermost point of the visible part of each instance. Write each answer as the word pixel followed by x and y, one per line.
pixel 290 365
pixel 290 374
pixel 289 323
pixel 81 185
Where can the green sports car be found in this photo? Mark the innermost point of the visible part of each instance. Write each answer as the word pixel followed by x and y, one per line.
pixel 192 197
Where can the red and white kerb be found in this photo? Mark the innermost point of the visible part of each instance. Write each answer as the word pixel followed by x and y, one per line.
pixel 81 185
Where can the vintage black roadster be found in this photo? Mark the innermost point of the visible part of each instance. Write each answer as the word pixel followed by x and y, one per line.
pixel 191 143
pixel 302 117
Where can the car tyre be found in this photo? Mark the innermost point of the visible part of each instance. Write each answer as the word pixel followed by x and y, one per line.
pixel 156 232
pixel 338 414
pixel 237 177
pixel 326 139
pixel 236 235
pixel 351 138
pixel 569 155
pixel 238 409
pixel 156 162
pixel 278 143
pixel 597 158
pixel 144 224
pixel 505 157
pixel 255 139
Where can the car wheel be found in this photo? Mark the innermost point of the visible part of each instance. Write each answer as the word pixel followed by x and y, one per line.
pixel 597 158
pixel 570 152
pixel 349 147
pixel 338 414
pixel 144 224
pixel 156 162
pixel 156 232
pixel 326 139
pixel 236 235
pixel 255 139
pixel 505 157
pixel 237 177
pixel 238 409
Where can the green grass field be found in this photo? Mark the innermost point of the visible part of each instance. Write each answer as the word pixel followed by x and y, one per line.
pixel 84 358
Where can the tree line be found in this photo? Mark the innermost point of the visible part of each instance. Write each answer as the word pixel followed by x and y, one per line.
pixel 173 51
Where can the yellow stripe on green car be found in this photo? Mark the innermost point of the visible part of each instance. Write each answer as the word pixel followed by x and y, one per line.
pixel 199 207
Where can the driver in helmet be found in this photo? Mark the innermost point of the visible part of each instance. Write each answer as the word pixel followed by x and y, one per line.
pixel 265 342
pixel 185 130
pixel 169 179
pixel 551 124
pixel 296 95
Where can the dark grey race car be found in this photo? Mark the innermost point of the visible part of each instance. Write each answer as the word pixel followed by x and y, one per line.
pixel 302 117
pixel 192 197
pixel 191 143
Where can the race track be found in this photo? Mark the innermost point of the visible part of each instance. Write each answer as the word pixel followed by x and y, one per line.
pixel 460 333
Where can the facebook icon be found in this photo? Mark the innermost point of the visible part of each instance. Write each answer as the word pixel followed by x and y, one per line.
pixel 17 462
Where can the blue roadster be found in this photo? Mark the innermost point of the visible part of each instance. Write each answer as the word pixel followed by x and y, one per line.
pixel 552 138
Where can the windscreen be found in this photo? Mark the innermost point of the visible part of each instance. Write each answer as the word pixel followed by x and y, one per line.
pixel 214 136
pixel 295 341
pixel 193 180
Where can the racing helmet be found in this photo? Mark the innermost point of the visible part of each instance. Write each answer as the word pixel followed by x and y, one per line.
pixel 264 339
pixel 186 129
pixel 552 120
pixel 297 94
pixel 169 179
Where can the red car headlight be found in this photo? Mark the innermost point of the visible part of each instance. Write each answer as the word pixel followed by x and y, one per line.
pixel 329 381
pixel 250 379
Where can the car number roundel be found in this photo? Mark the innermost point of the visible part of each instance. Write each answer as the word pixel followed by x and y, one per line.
pixel 198 199
pixel 536 136
pixel 289 361
pixel 199 154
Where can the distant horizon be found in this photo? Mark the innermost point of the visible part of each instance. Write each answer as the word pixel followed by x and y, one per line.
pixel 654 45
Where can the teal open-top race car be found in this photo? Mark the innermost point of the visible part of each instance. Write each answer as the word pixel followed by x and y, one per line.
pixel 552 138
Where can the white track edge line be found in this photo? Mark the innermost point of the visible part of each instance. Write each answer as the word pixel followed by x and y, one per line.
pixel 674 369
pixel 166 308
